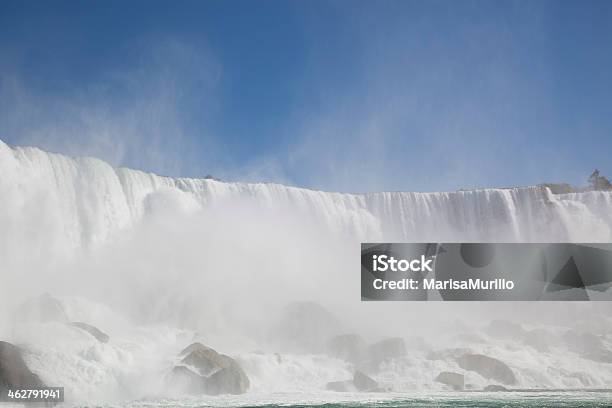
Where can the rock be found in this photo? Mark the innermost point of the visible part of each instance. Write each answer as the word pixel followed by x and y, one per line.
pixel 204 359
pixel 505 330
pixel 360 382
pixel 185 381
pixel 495 388
pixel 199 346
pixel 214 373
pixel 363 382
pixel 348 347
pixel 44 308
pixel 14 373
pixel 94 331
pixel 341 386
pixel 389 348
pixel 228 380
pixel 455 380
pixel 487 367
pixel 305 327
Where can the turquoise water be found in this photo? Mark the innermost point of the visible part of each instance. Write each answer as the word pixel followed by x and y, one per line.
pixel 438 400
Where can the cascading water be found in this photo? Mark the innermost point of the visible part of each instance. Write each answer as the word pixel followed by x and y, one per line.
pixel 148 245
pixel 92 200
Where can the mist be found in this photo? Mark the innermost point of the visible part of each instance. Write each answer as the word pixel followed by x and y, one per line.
pixel 107 219
pixel 254 270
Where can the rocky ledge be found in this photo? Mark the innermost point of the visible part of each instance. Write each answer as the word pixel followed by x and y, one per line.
pixel 14 373
pixel 203 370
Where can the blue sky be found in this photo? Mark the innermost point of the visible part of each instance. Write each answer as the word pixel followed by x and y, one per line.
pixel 333 95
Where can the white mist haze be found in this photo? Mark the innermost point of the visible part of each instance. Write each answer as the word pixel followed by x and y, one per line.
pixel 137 113
pixel 158 263
pixel 368 122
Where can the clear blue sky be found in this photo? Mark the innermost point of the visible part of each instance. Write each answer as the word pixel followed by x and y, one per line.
pixel 349 96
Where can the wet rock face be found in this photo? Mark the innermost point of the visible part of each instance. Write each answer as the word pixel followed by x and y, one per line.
pixel 204 359
pixel 229 380
pixel 212 373
pixel 94 331
pixel 341 386
pixel 363 382
pixel 44 308
pixel 495 388
pixel 347 347
pixel 13 371
pixel 185 380
pixel 488 367
pixel 455 380
pixel 192 347
pixel 360 382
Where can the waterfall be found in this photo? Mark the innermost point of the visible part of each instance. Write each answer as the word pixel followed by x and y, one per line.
pixel 65 226
pixel 87 201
